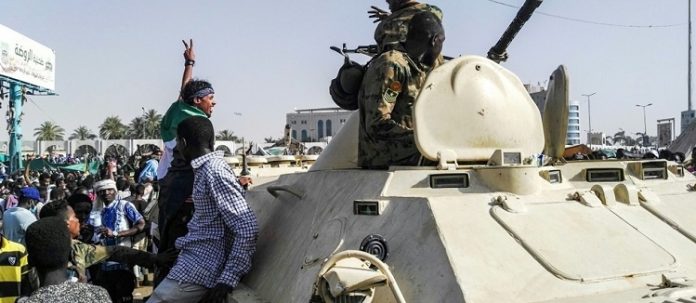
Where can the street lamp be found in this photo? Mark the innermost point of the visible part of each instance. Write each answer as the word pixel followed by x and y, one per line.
pixel 645 124
pixel 589 116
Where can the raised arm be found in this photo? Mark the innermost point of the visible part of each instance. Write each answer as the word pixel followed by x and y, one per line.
pixel 190 58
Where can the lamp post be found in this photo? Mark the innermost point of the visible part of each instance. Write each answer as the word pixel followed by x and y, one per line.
pixel 589 117
pixel 645 124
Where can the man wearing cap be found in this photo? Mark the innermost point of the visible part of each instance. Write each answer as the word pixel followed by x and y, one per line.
pixel 16 220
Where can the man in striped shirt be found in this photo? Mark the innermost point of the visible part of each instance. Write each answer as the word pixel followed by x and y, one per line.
pixel 221 240
pixel 15 275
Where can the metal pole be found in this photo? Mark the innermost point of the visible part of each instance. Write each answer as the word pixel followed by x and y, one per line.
pixel 15 148
pixel 589 116
pixel 645 124
pixel 689 86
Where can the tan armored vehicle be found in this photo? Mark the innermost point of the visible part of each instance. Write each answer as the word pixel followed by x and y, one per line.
pixel 489 223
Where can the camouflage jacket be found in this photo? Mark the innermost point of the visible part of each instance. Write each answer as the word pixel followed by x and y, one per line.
pixel 394 29
pixel 85 255
pixel 389 90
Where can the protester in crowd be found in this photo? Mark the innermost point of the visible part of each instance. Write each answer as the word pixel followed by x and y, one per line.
pixel 123 187
pixel 149 170
pixel 116 221
pixel 218 248
pixel 49 248
pixel 16 220
pixel 16 276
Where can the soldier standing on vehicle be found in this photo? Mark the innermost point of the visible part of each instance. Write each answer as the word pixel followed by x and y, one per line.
pixel 393 27
pixel 389 90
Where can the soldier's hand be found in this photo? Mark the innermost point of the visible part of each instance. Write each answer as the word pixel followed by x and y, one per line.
pixel 188 52
pixel 217 294
pixel 245 181
pixel 166 258
pixel 378 14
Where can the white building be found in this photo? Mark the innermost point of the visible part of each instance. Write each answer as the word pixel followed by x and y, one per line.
pixel 316 124
pixel 573 136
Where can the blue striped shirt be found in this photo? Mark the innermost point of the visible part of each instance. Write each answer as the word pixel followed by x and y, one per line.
pixel 222 233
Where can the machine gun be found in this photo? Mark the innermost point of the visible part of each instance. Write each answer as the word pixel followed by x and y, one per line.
pixel 367 50
pixel 498 52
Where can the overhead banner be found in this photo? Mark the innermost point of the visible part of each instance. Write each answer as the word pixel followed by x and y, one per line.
pixel 26 60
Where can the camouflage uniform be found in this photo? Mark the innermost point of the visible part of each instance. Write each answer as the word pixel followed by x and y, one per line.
pixel 389 90
pixel 394 29
pixel 85 255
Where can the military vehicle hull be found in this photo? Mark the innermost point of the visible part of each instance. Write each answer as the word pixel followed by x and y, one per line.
pixel 509 235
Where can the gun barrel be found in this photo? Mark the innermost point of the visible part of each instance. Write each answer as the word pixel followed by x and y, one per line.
pixel 498 52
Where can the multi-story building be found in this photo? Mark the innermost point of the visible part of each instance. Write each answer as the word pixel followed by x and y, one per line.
pixel 538 94
pixel 573 136
pixel 316 124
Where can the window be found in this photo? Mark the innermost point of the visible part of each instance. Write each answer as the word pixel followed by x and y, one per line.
pixel 320 129
pixel 573 135
pixel 574 114
pixel 328 128
pixel 343 121
pixel 574 121
pixel 304 135
pixel 574 107
pixel 294 134
pixel 293 122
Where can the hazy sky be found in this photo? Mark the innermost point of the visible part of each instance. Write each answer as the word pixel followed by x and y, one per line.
pixel 266 58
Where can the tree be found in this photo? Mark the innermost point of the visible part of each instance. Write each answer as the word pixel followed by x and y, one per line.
pixel 151 123
pixel 82 133
pixel 269 140
pixel 136 128
pixel 226 135
pixel 49 131
pixel 112 129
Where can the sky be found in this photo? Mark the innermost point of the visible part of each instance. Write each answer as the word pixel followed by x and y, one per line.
pixel 267 58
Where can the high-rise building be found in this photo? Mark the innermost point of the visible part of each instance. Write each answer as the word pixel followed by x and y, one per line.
pixel 573 136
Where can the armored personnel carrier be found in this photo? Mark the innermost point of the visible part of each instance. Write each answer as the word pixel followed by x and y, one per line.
pixel 489 223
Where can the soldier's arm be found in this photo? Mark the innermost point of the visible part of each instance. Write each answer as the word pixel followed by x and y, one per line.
pixel 86 255
pixel 393 89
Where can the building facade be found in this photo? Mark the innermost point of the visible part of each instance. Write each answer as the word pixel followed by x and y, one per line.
pixel 573 136
pixel 318 124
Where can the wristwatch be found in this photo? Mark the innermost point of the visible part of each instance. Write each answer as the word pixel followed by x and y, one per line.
pixel 190 62
pixel 115 234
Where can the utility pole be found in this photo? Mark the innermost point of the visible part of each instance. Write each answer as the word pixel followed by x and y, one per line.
pixel 645 124
pixel 589 117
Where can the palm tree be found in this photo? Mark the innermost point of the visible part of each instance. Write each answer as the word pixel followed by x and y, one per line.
pixel 49 131
pixel 269 140
pixel 226 135
pixel 112 128
pixel 152 124
pixel 136 128
pixel 82 133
